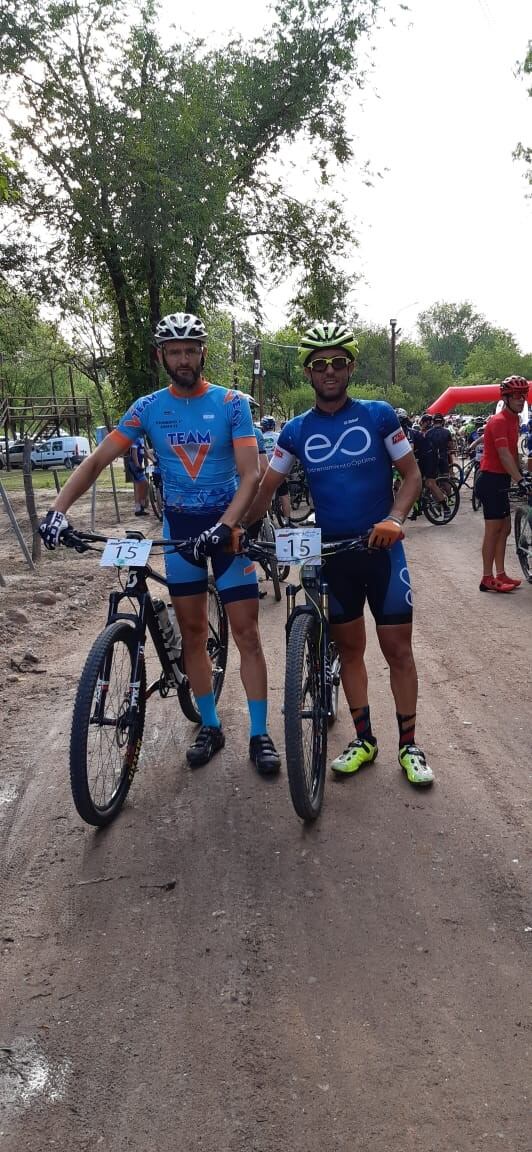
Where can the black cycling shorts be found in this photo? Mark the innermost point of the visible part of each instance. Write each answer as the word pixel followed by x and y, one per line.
pixel 282 490
pixel 379 576
pixel 492 489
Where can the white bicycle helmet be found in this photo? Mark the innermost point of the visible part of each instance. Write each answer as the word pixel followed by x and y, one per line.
pixel 180 326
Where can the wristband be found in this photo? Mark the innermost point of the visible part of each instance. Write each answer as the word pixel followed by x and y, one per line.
pixel 397 520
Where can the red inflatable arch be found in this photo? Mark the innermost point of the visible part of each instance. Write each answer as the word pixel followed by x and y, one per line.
pixel 469 394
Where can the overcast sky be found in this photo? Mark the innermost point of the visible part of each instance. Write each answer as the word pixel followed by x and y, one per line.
pixel 440 117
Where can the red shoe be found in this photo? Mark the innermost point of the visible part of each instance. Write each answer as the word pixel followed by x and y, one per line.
pixel 508 579
pixel 495 584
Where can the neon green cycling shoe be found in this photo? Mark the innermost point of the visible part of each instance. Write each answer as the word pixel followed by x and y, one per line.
pixel 412 761
pixel 357 753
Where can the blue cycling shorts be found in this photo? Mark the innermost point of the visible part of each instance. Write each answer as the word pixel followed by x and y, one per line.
pixel 235 576
pixel 378 575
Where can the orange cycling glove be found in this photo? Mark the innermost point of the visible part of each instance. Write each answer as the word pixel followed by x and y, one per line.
pixel 385 534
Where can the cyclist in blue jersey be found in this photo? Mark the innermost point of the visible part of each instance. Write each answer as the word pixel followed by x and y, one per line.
pixel 348 449
pixel 207 451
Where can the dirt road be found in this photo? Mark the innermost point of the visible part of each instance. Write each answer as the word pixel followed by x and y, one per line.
pixel 209 975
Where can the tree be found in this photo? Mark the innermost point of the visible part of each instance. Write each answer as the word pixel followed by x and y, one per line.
pixel 150 165
pixel 523 151
pixel 449 332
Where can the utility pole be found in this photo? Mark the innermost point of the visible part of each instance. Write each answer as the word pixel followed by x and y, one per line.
pixel 257 383
pixel 395 333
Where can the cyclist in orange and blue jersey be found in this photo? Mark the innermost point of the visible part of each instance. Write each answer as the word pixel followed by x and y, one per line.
pixel 207 452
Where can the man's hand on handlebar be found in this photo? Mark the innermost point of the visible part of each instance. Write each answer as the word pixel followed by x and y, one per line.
pixel 385 534
pixel 52 528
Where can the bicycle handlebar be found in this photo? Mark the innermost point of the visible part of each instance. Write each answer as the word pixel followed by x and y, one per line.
pixel 81 542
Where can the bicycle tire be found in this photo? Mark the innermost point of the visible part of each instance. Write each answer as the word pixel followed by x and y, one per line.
pixel 271 567
pixel 433 509
pixel 217 646
pixel 475 498
pixel 304 509
pixel 303 684
pixel 127 740
pixel 334 671
pixel 457 474
pixel 156 500
pixel 523 540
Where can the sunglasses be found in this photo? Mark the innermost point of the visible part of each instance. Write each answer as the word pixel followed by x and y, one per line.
pixel 338 363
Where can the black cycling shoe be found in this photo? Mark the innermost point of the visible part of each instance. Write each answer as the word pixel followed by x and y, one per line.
pixel 264 755
pixel 207 742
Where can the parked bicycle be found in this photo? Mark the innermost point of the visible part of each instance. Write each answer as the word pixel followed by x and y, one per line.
pixel 155 490
pixel 523 534
pixel 301 503
pixel 110 706
pixel 271 567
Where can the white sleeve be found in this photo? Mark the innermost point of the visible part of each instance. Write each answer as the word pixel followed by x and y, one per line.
pixel 281 460
pixel 397 444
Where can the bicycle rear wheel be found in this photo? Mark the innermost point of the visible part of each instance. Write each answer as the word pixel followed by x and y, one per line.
pixel 442 511
pixel 523 540
pixel 475 496
pixel 217 645
pixel 305 717
pixel 334 687
pixel 271 567
pixel 107 726
pixel 156 499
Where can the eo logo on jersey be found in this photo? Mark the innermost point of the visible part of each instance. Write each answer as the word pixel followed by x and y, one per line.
pixel 191 448
pixel 319 449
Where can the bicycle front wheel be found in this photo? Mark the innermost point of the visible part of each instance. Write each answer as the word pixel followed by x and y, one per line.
pixel 442 511
pixel 305 717
pixel 523 540
pixel 107 726
pixel 217 645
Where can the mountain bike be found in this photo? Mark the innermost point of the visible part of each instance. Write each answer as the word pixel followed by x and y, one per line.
pixel 438 511
pixel 271 567
pixel 155 490
pixel 523 537
pixel 301 503
pixel 110 706
pixel 312 681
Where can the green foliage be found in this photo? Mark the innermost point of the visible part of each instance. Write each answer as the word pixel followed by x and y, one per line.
pixel 450 331
pixel 150 163
pixel 523 152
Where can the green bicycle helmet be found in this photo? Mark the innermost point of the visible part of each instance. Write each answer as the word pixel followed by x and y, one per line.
pixel 327 335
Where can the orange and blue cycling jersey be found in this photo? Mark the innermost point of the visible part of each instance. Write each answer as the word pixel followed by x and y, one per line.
pixel 193 437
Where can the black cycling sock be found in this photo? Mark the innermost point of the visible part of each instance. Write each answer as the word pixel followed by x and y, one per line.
pixel 407 729
pixel 362 722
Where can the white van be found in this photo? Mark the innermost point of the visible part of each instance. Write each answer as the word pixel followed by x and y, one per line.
pixel 62 451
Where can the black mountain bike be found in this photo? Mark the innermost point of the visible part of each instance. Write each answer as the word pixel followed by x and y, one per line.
pixel 271 567
pixel 438 511
pixel 523 536
pixel 312 681
pixel 110 706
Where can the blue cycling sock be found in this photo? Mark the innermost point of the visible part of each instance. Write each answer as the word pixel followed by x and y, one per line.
pixel 207 709
pixel 257 717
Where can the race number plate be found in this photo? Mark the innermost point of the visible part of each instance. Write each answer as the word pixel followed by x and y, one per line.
pixel 125 553
pixel 296 545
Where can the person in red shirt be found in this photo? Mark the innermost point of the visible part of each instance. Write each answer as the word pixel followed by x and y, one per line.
pixel 498 468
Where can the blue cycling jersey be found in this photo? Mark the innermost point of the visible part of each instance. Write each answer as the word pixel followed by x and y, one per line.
pixel 347 456
pixel 193 437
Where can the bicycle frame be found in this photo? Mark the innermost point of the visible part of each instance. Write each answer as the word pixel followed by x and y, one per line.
pixel 145 620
